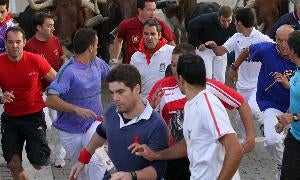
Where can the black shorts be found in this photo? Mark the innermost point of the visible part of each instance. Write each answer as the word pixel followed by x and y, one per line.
pixel 290 169
pixel 31 128
pixel 178 169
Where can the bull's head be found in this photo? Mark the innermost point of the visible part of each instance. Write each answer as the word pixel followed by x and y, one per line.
pixel 122 9
pixel 70 15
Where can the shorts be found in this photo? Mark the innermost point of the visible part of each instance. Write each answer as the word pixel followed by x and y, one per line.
pixel 178 169
pixel 31 128
pixel 291 158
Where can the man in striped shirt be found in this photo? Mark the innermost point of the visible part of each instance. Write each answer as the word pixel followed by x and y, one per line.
pixel 166 96
pixel 212 146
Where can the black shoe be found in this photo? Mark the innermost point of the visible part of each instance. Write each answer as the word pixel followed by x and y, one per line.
pixel 261 127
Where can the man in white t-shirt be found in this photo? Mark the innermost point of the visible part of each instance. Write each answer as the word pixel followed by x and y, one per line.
pixel 152 57
pixel 213 149
pixel 248 71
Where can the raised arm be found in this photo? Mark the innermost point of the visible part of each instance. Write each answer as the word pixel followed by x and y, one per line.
pixel 117 46
pixel 235 66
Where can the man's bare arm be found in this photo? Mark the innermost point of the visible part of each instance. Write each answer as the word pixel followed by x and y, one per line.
pixel 177 151
pixel 218 50
pixel 55 102
pixel 233 156
pixel 50 75
pixel 95 142
pixel 242 57
pixel 247 118
pixel 117 46
pixel 235 66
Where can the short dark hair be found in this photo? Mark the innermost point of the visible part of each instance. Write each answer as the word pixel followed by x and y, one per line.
pixel 15 29
pixel 192 69
pixel 4 2
pixel 83 38
pixel 184 48
pixel 225 11
pixel 125 73
pixel 141 3
pixel 246 16
pixel 294 41
pixel 153 22
pixel 39 19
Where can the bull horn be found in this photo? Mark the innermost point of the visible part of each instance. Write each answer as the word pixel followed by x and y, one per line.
pixel 95 20
pixel 166 3
pixel 37 7
pixel 89 5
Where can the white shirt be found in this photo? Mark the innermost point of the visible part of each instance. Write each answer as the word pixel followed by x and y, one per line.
pixel 248 71
pixel 205 121
pixel 153 71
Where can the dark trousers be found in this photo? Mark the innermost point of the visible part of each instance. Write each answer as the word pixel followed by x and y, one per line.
pixel 291 159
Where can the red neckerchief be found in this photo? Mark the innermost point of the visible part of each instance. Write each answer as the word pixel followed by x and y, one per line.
pixel 8 17
pixel 150 52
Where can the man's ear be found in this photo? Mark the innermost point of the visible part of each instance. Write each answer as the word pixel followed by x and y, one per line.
pixel 137 89
pixel 180 79
pixel 38 27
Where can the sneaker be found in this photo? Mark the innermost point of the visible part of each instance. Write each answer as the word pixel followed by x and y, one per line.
pixel 59 164
pixel 261 127
pixel 278 172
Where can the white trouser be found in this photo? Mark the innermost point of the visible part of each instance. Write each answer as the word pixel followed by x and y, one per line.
pixel 250 97
pixel 74 143
pixel 273 141
pixel 58 153
pixel 215 65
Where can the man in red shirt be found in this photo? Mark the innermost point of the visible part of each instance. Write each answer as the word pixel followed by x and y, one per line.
pixel 45 43
pixel 23 117
pixel 48 46
pixel 130 31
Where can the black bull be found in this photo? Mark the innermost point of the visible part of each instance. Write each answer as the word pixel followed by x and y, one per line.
pixel 68 23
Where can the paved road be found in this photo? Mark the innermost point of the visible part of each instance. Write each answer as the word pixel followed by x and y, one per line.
pixel 257 165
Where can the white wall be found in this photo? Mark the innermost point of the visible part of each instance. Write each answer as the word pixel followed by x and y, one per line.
pixel 17 6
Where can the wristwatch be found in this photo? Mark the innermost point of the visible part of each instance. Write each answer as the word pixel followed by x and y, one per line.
pixel 233 66
pixel 295 117
pixel 114 61
pixel 133 175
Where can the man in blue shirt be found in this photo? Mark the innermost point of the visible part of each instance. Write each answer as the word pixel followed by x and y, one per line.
pixel 75 94
pixel 131 119
pixel 291 159
pixel 272 87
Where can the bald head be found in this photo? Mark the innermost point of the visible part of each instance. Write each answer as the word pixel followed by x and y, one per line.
pixel 285 28
pixel 281 37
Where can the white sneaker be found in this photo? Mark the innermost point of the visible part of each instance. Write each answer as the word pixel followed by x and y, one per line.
pixel 59 163
pixel 278 172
